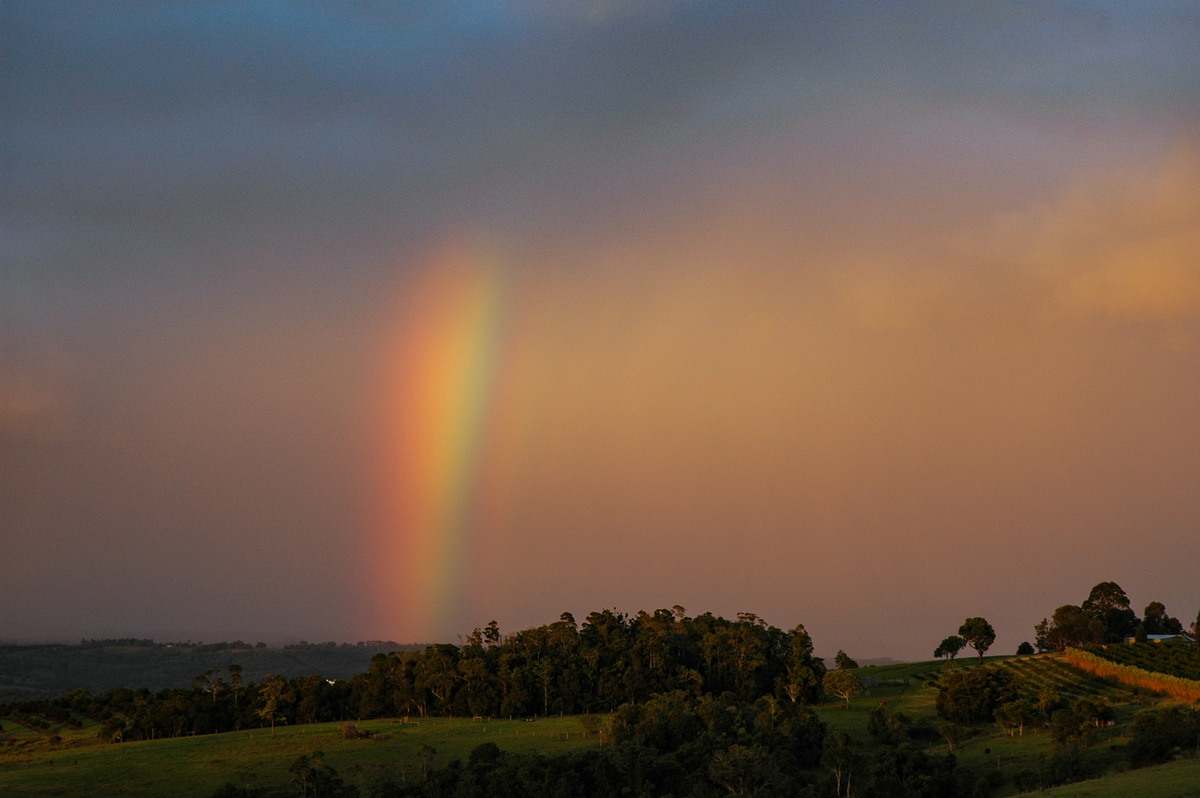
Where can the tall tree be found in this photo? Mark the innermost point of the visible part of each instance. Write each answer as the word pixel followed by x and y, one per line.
pixel 749 646
pixel 950 647
pixel 491 634
pixel 437 672
pixel 978 633
pixel 804 671
pixel 235 682
pixel 844 684
pixel 843 756
pixel 314 778
pixel 1108 604
pixel 744 770
pixel 1157 622
pixel 1069 626
pixel 210 682
pixel 271 696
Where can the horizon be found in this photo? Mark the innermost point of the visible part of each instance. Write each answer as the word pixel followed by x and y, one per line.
pixel 277 641
pixel 337 320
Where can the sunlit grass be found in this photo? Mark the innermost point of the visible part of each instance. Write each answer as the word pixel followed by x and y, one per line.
pixel 1173 780
pixel 908 688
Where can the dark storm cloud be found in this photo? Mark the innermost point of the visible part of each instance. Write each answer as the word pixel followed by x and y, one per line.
pixel 123 110
pixel 139 134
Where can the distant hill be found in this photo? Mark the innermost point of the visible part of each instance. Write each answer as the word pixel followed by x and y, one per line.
pixel 863 663
pixel 878 661
pixel 43 671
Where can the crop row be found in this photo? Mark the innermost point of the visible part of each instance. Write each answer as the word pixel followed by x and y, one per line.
pixel 1168 658
pixel 1051 672
pixel 1173 686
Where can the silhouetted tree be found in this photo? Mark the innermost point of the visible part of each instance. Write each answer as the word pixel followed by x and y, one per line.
pixel 950 647
pixel 1069 626
pixel 1108 604
pixel 1157 622
pixel 978 633
pixel 972 695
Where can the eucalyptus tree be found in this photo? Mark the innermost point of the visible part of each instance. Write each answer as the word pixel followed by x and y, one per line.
pixel 1157 622
pixel 844 684
pixel 272 696
pixel 1108 604
pixel 803 671
pixel 950 647
pixel 978 633
pixel 1069 626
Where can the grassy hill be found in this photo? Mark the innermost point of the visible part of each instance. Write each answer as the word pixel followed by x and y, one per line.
pixel 1174 780
pixel 196 766
pixel 908 688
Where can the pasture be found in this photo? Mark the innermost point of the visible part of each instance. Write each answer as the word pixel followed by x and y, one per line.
pixel 908 688
pixel 194 767
pixel 34 763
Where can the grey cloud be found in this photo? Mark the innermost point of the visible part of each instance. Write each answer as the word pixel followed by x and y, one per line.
pixel 159 119
pixel 488 88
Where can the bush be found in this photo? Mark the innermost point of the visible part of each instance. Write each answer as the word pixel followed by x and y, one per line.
pixel 888 727
pixel 484 754
pixel 312 776
pixel 1158 735
pixel 1064 766
pixel 972 695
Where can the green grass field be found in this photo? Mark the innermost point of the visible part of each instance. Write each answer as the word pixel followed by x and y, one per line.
pixel 1174 780
pixel 196 766
pixel 906 688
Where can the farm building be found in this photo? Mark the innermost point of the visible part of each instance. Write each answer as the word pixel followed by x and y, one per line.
pixel 1164 639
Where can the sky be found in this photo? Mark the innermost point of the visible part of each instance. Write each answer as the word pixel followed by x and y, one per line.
pixel 371 320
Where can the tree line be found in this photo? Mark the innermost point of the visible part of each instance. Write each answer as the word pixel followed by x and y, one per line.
pixel 1105 616
pixel 679 744
pixel 564 667
pixel 685 705
pixel 608 660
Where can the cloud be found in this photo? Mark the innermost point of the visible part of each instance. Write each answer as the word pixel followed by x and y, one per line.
pixel 1121 246
pixel 38 388
pixel 1126 244
pixel 782 277
pixel 32 406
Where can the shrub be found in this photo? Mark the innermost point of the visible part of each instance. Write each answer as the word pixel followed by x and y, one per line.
pixel 972 695
pixel 1157 735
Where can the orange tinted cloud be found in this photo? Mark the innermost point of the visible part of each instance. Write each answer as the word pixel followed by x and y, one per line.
pixel 741 399
pixel 1126 244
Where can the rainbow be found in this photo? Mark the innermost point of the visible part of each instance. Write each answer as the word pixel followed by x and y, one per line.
pixel 441 371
